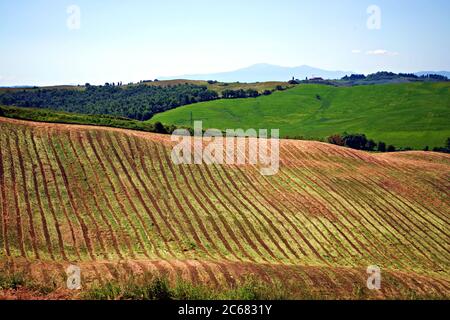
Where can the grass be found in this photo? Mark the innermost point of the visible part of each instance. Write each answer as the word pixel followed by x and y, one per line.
pixel 406 115
pixel 160 288
pixel 18 280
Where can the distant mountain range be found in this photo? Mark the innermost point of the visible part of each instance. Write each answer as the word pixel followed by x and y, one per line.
pixel 265 72
pixel 268 72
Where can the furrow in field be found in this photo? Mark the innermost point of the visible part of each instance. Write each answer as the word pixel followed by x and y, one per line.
pixel 134 172
pixel 164 183
pixel 320 216
pixel 380 215
pixel 310 187
pixel 203 232
pixel 26 197
pixel 198 214
pixel 258 204
pixel 72 201
pixel 114 191
pixel 264 226
pixel 290 215
pixel 19 226
pixel 272 183
pixel 147 181
pixel 59 202
pixel 225 224
pixel 124 189
pixel 274 225
pixel 400 211
pixel 349 202
pixel 249 177
pixel 211 218
pixel 167 216
pixel 101 188
pixel 37 195
pixel 95 197
pixel 80 194
pixel 249 224
pixel 409 173
pixel 5 214
pixel 221 196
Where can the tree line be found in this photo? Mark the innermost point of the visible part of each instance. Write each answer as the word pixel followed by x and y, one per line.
pixel 359 141
pixel 139 102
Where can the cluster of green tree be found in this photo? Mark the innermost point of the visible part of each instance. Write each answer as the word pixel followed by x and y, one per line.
pixel 234 94
pixel 138 102
pixel 354 77
pixel 360 142
pixel 241 93
pixel 384 75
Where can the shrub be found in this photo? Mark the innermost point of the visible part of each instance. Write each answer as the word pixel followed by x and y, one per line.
pixel 381 146
pixel 159 128
pixel 336 139
pixel 391 148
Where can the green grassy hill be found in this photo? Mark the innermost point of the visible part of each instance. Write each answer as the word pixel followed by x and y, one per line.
pixel 406 115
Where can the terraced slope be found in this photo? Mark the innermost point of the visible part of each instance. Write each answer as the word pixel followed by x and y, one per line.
pixel 113 202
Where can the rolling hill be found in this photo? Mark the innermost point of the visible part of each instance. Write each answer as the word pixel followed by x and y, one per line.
pixel 406 115
pixel 112 202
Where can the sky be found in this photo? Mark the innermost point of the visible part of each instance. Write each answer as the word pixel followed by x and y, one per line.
pixel 44 42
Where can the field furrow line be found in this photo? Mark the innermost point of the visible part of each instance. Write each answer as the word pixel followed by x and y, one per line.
pixel 311 184
pixel 81 194
pixel 164 182
pixel 190 205
pixel 96 200
pixel 248 223
pixel 169 225
pixel 73 203
pixel 59 197
pixel 216 228
pixel 221 195
pixel 5 213
pixel 345 203
pixel 260 185
pixel 22 173
pixel 381 211
pixel 269 223
pixel 322 227
pixel 125 191
pixel 152 217
pixel 335 187
pixel 224 222
pixel 37 195
pixel 115 192
pixel 265 216
pixel 274 188
pixel 19 226
pixel 98 186
pixel 410 173
pixel 400 212
pixel 199 222
pixel 312 248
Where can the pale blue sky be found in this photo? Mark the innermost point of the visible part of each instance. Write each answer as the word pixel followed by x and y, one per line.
pixel 135 40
